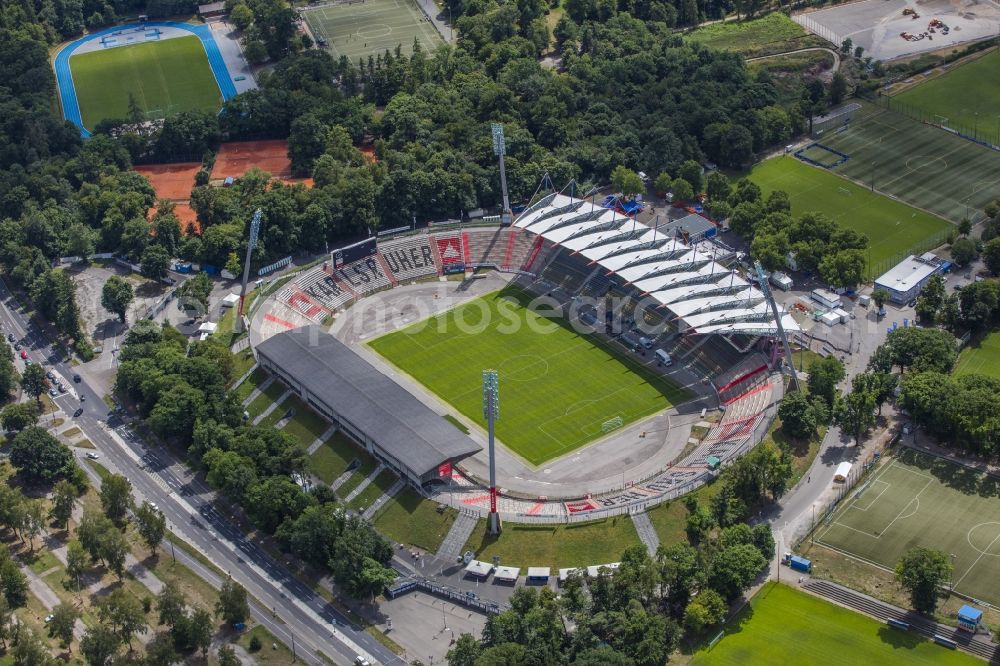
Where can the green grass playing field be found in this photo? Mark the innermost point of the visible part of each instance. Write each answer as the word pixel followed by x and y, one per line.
pixel 360 29
pixel 948 97
pixel 893 228
pixel 557 388
pixel 921 165
pixel 981 358
pixel 917 499
pixel 784 626
pixel 164 77
pixel 774 33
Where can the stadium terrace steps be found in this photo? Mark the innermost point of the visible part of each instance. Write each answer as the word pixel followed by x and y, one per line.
pixel 386 270
pixel 484 246
pixel 647 534
pixel 409 258
pixel 459 533
pixel 972 643
pixel 511 239
pixel 364 276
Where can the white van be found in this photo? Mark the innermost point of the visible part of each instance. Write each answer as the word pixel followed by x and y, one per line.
pixel 663 357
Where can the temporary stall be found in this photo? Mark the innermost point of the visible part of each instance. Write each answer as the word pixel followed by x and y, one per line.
pixel 507 574
pixel 843 471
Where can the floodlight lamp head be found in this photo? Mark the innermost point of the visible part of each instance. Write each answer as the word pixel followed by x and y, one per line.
pixel 499 147
pixel 491 395
pixel 255 227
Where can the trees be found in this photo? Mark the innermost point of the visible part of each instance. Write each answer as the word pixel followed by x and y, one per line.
pixel 241 16
pixel 921 571
pixel 682 190
pixel 963 251
pixel 991 255
pixel 116 296
pixel 838 88
pixel 824 375
pixel 40 457
pixel 232 605
pixel 662 183
pixel 734 569
pixel 881 297
pixel 122 613
pixel 691 171
pixel 33 381
pixel 19 415
pixel 63 499
pixel 626 181
pixel 798 418
pixel 919 349
pixel 61 625
pixel 100 645
pixel 116 497
pixel 155 262
pixel 855 412
pixel 151 525
pixel 843 269
pixel 707 609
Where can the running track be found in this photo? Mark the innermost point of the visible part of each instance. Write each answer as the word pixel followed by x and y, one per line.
pixel 64 78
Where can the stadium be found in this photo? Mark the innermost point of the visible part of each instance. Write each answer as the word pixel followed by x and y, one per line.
pixel 628 332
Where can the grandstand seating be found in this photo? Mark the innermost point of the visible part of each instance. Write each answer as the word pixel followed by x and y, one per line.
pixel 449 247
pixel 364 276
pixel 487 245
pixel 409 258
pixel 322 287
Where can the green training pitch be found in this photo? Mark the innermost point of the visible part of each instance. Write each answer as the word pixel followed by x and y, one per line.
pixel 558 388
pixel 982 358
pixel 920 500
pixel 966 98
pixel 921 165
pixel 894 229
pixel 163 77
pixel 361 28
pixel 784 626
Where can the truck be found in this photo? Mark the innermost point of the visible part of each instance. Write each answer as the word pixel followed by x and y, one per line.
pixel 797 563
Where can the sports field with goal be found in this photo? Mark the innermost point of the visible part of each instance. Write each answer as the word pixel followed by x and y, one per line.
pixel 784 626
pixel 981 358
pixel 920 500
pixel 967 97
pixel 359 28
pixel 163 77
pixel 924 166
pixel 893 228
pixel 559 390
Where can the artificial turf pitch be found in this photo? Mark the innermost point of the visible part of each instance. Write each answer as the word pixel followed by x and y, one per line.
pixel 784 626
pixel 557 387
pixel 359 29
pixel 163 77
pixel 966 97
pixel 921 500
pixel 981 358
pixel 893 228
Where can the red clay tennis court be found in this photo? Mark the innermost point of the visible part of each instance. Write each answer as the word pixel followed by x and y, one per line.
pixel 171 181
pixel 237 157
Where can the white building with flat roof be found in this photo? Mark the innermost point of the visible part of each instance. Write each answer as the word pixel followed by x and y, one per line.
pixel 905 280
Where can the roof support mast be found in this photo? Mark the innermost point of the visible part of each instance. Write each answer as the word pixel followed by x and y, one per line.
pixel 766 288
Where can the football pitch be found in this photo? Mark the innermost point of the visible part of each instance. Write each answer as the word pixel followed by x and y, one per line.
pixel 361 28
pixel 922 165
pixel 981 358
pixel 784 626
pixel 921 500
pixel 163 77
pixel 893 228
pixel 558 389
pixel 947 99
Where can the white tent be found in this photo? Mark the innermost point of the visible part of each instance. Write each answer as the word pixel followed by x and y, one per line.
pixel 480 569
pixel 843 471
pixel 230 300
pixel 507 574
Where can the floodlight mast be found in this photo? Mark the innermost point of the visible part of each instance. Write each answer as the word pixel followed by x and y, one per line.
pixel 500 149
pixel 766 288
pixel 491 412
pixel 254 230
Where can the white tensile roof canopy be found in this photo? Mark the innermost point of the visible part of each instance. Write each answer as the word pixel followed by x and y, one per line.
pixel 702 293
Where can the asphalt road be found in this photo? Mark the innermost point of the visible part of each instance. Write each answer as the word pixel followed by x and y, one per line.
pixel 289 609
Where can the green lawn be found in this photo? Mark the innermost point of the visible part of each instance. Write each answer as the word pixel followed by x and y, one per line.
pixel 784 626
pixel 920 500
pixel 378 487
pixel 306 425
pixel 774 33
pixel 948 97
pixel 361 472
pixel 332 459
pixel 258 405
pixel 163 77
pixel 256 378
pixel 981 358
pixel 410 519
pixel 372 27
pixel 893 228
pixel 557 387
pixel 558 546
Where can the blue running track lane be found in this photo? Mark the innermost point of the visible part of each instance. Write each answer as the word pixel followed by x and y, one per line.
pixel 64 77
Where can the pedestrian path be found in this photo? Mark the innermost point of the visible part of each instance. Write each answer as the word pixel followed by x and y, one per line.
pixel 370 512
pixel 257 391
pixel 459 533
pixel 318 442
pixel 646 532
pixel 364 484
pixel 273 406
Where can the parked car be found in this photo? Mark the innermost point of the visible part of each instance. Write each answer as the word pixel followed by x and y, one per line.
pixel 24 354
pixel 10 337
pixel 77 379
pixel 62 389
pixel 50 374
pixel 92 455
pixel 17 346
pixel 53 392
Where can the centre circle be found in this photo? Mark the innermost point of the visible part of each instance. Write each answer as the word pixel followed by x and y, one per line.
pixel 523 368
pixel 985 538
pixel 926 164
pixel 375 30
